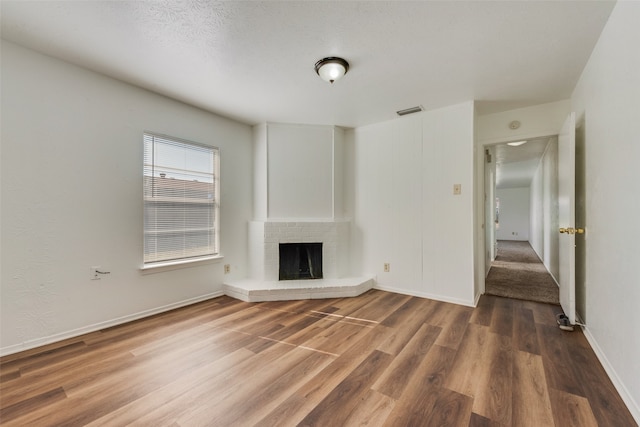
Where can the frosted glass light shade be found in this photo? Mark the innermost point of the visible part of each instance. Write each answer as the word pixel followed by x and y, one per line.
pixel 516 144
pixel 331 69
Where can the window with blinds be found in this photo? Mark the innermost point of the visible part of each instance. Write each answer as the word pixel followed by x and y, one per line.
pixel 181 200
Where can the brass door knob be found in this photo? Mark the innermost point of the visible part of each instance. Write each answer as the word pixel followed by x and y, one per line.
pixel 571 230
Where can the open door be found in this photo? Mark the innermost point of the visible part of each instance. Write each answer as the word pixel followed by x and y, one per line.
pixel 567 216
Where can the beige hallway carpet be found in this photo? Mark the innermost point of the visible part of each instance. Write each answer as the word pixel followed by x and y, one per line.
pixel 517 272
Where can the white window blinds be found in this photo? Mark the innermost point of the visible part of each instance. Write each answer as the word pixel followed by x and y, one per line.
pixel 181 199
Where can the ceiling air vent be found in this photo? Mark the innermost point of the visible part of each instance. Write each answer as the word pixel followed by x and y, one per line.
pixel 410 110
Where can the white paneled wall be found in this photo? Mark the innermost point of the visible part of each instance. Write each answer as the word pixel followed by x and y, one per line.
pixel 448 139
pixel 404 210
pixel 406 236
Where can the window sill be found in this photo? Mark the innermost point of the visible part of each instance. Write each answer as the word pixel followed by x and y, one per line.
pixel 174 265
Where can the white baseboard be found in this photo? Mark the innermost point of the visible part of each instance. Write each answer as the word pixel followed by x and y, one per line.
pixel 633 406
pixel 425 295
pixel 27 345
pixel 477 299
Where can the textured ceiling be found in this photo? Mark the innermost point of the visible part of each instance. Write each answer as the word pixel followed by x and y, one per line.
pixel 253 61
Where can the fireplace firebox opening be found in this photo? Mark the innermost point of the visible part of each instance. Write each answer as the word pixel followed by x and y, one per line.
pixel 300 261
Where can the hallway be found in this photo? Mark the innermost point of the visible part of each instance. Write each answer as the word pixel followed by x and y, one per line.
pixel 517 272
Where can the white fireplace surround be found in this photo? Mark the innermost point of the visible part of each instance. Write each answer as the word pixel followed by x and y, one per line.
pixel 265 238
pixel 264 248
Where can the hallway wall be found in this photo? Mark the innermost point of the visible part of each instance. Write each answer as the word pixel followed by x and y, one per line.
pixel 544 237
pixel 514 214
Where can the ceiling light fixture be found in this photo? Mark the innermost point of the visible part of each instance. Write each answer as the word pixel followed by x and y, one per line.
pixel 517 143
pixel 332 68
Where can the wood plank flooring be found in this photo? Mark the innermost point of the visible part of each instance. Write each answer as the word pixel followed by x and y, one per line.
pixel 380 359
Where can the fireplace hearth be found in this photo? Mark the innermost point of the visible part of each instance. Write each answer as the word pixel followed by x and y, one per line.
pixel 331 240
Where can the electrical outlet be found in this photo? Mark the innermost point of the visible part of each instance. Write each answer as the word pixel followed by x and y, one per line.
pixel 227 268
pixel 387 267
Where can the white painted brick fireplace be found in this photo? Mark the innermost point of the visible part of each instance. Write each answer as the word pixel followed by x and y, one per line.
pixel 265 238
pixel 298 182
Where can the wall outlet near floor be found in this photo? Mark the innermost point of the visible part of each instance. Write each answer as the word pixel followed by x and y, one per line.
pixel 227 268
pixel 387 267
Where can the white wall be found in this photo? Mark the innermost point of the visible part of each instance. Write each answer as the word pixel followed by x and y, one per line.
pixel 260 180
pixel 402 174
pixel 607 101
pixel 72 198
pixel 535 121
pixel 338 184
pixel 300 171
pixel 514 214
pixel 448 232
pixel 544 237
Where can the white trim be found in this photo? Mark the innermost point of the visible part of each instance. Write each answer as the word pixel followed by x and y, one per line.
pixel 158 267
pixel 477 299
pixel 633 406
pixel 27 345
pixel 517 137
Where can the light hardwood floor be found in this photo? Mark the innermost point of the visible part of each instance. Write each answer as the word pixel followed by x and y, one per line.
pixel 381 359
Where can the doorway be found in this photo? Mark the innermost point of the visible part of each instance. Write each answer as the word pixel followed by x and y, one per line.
pixel 521 178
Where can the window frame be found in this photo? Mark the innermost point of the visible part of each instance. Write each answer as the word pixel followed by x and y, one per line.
pixel 215 206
